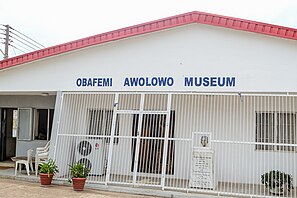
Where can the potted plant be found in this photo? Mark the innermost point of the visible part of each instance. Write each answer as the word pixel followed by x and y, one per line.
pixel 47 170
pixel 278 182
pixel 79 175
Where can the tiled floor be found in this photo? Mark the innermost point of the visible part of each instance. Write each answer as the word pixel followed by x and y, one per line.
pixel 7 163
pixel 7 171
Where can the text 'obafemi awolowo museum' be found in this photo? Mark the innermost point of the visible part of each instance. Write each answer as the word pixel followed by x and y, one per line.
pixel 158 82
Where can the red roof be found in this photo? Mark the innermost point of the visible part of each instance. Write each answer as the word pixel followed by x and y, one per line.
pixel 161 24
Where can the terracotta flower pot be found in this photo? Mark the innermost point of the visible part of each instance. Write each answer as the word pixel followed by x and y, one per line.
pixel 78 183
pixel 46 179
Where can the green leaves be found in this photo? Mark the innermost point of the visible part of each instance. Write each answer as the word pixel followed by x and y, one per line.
pixel 49 167
pixel 78 170
pixel 276 178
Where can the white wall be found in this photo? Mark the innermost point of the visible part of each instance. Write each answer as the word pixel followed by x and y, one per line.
pixel 28 101
pixel 259 62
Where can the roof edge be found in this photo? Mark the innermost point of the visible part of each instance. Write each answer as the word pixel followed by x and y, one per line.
pixel 152 26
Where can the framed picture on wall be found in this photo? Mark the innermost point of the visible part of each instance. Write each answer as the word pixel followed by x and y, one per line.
pixel 201 140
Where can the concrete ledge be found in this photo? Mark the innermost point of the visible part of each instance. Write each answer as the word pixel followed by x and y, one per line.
pixel 139 190
pixel 114 188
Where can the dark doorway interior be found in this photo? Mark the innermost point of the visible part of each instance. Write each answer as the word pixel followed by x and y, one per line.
pixel 150 155
pixel 7 138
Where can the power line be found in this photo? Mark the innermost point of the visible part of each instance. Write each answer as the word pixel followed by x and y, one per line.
pixel 24 43
pixel 25 40
pixel 14 51
pixel 12 38
pixel 21 47
pixel 28 37
pixel 2 38
pixel 17 48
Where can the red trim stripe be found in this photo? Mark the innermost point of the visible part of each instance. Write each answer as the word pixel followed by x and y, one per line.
pixel 161 24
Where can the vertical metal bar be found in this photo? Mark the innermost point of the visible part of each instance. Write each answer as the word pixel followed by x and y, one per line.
pixel 232 129
pixel 67 119
pixel 164 161
pixel 275 147
pixel 220 108
pixel 139 127
pixel 48 123
pixel 243 118
pixel 146 145
pixel 229 150
pixel 249 116
pixel 294 141
pixel 58 119
pixel 113 127
pixel 184 127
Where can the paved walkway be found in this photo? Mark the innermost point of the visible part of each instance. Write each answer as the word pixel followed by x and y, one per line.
pixel 10 188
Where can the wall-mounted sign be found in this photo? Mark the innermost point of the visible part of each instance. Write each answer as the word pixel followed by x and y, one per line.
pixel 202 166
pixel 159 81
pixel 202 172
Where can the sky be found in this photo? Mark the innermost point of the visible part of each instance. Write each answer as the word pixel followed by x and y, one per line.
pixel 58 21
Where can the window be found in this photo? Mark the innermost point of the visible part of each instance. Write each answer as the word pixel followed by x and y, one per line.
pixel 15 124
pixel 43 124
pixel 25 123
pixel 276 128
pixel 100 123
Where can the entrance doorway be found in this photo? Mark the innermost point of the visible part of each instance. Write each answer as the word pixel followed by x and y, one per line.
pixel 152 143
pixel 8 118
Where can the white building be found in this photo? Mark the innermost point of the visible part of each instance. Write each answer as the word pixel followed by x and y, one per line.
pixel 148 88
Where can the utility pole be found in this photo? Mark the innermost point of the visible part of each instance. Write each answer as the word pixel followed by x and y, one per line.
pixel 17 40
pixel 6 43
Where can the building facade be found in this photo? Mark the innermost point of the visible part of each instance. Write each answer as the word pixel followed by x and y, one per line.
pixel 194 102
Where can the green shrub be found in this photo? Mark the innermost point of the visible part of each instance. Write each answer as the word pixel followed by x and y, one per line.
pixel 48 167
pixel 78 170
pixel 276 178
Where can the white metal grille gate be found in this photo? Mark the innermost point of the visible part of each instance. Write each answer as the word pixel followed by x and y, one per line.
pixel 143 107
pixel 145 139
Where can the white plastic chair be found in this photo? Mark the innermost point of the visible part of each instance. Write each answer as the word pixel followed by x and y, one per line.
pixel 27 161
pixel 41 155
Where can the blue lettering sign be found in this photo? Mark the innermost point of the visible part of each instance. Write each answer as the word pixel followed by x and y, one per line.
pixel 160 81
pixel 93 82
pixel 170 81
pixel 188 81
pixel 209 81
pixel 148 82
pixel 205 81
pixel 78 82
pixel 230 82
